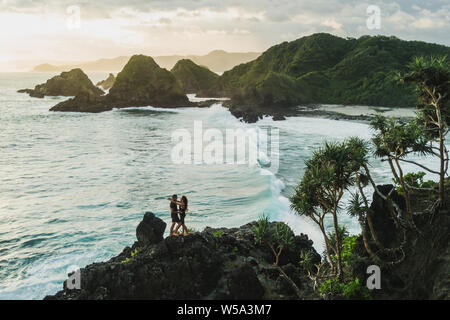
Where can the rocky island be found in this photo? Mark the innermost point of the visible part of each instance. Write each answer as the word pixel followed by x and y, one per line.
pixel 313 70
pixel 71 83
pixel 192 77
pixel 141 83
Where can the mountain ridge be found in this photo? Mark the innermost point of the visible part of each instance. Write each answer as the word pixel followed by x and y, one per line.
pixel 217 61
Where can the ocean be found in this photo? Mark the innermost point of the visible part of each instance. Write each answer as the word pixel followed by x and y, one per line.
pixel 74 186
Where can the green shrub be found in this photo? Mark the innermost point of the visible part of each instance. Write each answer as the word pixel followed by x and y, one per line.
pixel 133 254
pixel 352 290
pixel 348 246
pixel 414 180
pixel 218 233
pixel 331 287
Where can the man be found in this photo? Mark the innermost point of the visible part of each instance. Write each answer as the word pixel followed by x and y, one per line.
pixel 174 214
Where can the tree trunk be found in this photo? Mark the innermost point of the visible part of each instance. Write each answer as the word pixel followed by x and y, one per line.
pixel 338 243
pixel 292 283
pixel 442 158
pixel 406 193
pixel 327 245
pixel 368 214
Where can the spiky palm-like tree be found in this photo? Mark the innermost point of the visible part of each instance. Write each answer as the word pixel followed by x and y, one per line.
pixel 431 78
pixel 394 141
pixel 328 174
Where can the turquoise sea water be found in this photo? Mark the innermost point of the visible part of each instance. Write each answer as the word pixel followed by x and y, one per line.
pixel 73 187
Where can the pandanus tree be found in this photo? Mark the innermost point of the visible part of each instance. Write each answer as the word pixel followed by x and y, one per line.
pixel 358 150
pixel 328 174
pixel 394 141
pixel 430 77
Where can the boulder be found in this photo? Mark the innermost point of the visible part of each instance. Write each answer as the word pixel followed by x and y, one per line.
pixel 150 230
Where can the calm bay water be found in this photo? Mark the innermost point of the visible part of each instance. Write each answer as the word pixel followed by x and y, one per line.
pixel 73 187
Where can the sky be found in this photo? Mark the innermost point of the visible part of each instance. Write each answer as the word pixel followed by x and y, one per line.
pixel 38 31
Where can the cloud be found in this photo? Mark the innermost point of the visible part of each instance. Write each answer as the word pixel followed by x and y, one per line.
pixel 120 27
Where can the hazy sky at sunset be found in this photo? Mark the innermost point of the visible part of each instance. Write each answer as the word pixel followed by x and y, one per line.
pixel 35 31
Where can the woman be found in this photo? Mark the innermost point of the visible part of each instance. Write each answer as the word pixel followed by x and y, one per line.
pixel 183 207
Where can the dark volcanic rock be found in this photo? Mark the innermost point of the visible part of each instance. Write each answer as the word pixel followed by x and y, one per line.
pixel 203 265
pixel 424 273
pixel 150 230
pixel 141 83
pixel 244 284
pixel 84 102
pixel 69 83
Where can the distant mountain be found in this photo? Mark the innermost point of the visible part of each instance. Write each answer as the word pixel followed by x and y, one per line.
pixel 217 61
pixel 323 68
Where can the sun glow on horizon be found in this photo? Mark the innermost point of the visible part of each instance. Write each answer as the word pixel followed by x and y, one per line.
pixel 37 32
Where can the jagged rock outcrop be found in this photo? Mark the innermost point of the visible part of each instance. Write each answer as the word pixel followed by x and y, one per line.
pixel 107 83
pixel 150 230
pixel 425 271
pixel 141 83
pixel 71 83
pixel 213 264
pixel 192 77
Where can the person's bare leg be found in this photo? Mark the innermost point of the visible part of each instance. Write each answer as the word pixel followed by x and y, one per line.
pixel 171 228
pixel 185 231
pixel 178 227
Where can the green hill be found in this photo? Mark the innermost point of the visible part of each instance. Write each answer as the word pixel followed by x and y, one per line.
pixel 142 82
pixel 193 78
pixel 323 68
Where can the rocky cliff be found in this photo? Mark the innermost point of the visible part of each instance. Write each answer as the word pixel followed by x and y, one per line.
pixel 212 264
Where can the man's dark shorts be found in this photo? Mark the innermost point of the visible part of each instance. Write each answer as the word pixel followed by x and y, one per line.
pixel 175 217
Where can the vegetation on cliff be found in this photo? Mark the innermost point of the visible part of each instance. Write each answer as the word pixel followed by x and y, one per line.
pixel 193 78
pixel 142 82
pixel 323 68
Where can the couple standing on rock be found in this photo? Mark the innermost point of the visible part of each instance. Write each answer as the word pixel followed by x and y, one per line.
pixel 178 207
